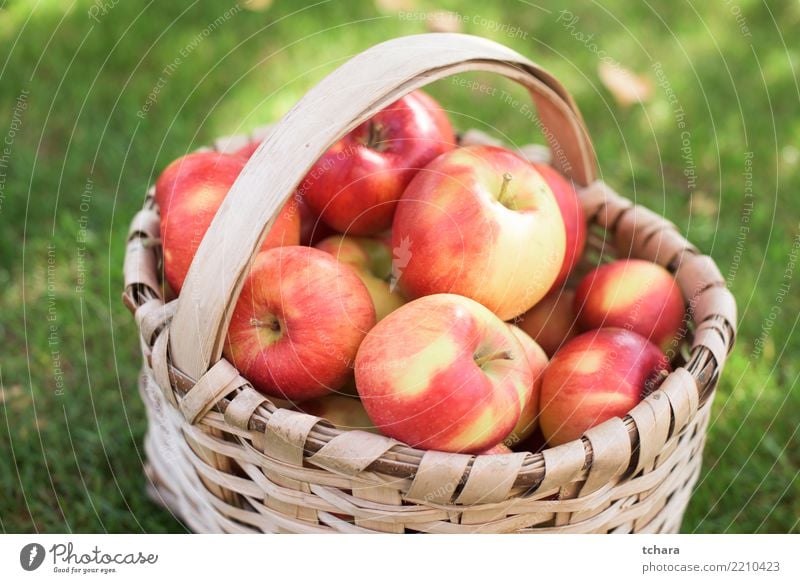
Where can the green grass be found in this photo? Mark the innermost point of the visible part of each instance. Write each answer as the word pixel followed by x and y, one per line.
pixel 70 457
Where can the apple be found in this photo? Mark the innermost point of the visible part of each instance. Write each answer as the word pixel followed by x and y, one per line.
pixel 192 171
pixel 481 222
pixel 529 418
pixel 596 376
pixel 443 372
pixel 312 229
pixel 372 261
pixel 499 449
pixel 355 186
pixel 298 323
pixel 189 193
pixel 344 412
pixel 248 149
pixel 573 216
pixel 552 321
pixel 633 294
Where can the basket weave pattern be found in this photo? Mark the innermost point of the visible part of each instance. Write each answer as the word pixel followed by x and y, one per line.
pixel 224 458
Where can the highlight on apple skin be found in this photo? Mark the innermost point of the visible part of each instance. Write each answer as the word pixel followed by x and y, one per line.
pixel 298 323
pixel 573 216
pixel 551 322
pixel 354 187
pixel 481 222
pixel 371 259
pixel 633 294
pixel 443 372
pixel 596 376
pixel 189 193
pixel 529 418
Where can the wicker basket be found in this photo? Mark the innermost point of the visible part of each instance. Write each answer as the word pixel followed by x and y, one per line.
pixel 224 458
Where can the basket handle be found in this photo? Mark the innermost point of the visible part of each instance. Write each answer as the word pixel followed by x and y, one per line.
pixel 346 98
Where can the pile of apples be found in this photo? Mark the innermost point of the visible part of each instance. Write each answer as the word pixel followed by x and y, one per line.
pixel 418 288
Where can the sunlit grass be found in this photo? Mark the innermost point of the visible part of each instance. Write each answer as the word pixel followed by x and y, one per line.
pixel 72 460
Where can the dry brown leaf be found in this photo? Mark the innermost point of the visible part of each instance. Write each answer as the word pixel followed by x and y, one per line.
pixel 624 85
pixel 443 21
pixel 395 5
pixel 703 204
pixel 257 5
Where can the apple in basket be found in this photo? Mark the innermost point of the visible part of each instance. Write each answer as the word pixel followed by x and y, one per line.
pixel 312 228
pixel 596 376
pixel 572 214
pixel 345 412
pixel 355 186
pixel 298 323
pixel 481 222
pixel 189 192
pixel 529 417
pixel 634 294
pixel 443 372
pixel 372 261
pixel 551 322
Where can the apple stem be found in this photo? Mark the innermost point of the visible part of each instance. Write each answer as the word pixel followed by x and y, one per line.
pixel 499 355
pixel 504 187
pixel 272 324
pixel 374 136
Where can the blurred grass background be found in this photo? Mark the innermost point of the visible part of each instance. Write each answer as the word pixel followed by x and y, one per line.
pixel 75 83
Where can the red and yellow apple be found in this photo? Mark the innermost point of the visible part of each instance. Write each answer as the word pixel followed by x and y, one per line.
pixel 572 214
pixel 633 294
pixel 298 323
pixel 189 193
pixel 372 260
pixel 596 376
pixel 343 411
pixel 483 223
pixel 443 372
pixel 529 418
pixel 355 186
pixel 552 321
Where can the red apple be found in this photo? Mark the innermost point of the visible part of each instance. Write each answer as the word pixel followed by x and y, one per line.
pixel 594 377
pixel 480 222
pixel 298 323
pixel 443 372
pixel 312 228
pixel 248 149
pixel 574 219
pixel 355 186
pixel 529 418
pixel 189 192
pixel 193 171
pixel 372 260
pixel 344 412
pixel 552 321
pixel 633 294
